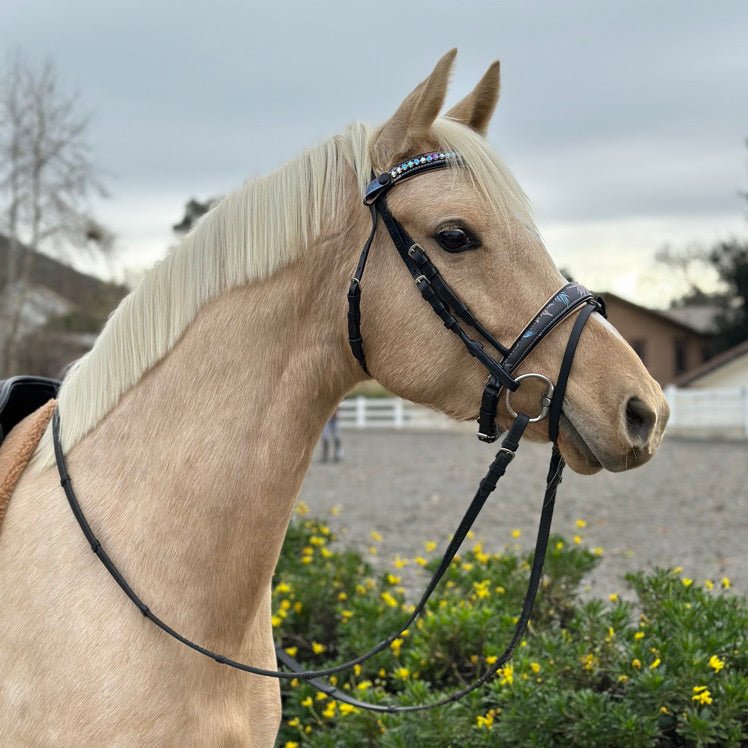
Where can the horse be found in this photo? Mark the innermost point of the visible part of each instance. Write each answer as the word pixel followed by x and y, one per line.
pixel 190 424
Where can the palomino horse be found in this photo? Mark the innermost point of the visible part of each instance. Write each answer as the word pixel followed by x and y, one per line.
pixel 189 426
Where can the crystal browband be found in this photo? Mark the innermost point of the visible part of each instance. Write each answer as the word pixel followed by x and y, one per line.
pixel 414 165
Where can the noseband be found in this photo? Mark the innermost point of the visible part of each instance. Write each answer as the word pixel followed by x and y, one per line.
pixel 452 311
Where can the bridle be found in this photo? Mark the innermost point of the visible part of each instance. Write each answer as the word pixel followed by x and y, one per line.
pixel 451 310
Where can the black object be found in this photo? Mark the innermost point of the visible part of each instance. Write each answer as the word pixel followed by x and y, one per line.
pixel 20 397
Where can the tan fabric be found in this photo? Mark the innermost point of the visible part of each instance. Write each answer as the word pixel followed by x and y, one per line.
pixel 17 449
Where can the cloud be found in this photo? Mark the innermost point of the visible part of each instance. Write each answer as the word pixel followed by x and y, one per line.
pixel 611 115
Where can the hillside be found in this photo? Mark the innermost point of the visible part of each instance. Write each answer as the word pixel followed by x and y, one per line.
pixel 64 311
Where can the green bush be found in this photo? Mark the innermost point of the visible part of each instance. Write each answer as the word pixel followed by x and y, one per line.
pixel 670 669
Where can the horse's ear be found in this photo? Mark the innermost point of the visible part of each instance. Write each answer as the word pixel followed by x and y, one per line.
pixel 476 109
pixel 414 117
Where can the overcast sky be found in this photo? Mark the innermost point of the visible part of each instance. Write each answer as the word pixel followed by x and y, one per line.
pixel 624 122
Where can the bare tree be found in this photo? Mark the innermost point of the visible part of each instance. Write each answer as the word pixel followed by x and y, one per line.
pixel 47 178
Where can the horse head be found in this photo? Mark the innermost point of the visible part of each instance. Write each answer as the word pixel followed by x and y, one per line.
pixel 474 222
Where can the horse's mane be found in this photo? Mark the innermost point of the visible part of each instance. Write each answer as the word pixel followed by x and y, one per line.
pixel 248 235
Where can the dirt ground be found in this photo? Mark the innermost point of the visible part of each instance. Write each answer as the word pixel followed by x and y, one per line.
pixel 688 507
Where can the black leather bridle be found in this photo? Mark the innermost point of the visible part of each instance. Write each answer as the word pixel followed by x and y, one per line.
pixel 451 310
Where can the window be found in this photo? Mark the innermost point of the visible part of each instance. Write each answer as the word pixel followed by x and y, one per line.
pixel 640 348
pixel 680 355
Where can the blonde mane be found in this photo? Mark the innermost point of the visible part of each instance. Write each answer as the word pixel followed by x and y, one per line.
pixel 248 236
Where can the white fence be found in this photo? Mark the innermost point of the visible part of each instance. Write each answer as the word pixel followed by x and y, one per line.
pixel 693 412
pixel 708 412
pixel 390 413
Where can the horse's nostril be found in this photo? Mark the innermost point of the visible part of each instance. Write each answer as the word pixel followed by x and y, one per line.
pixel 640 420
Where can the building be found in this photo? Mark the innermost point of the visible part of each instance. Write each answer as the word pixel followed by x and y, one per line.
pixel 668 345
pixel 728 369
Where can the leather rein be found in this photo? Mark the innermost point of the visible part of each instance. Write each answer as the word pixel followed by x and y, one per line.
pixel 451 310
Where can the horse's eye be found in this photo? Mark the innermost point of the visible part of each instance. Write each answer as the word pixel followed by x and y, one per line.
pixel 455 239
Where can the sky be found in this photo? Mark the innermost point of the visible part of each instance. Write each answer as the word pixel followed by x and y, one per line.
pixel 625 123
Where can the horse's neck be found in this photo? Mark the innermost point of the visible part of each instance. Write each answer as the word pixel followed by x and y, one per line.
pixel 190 481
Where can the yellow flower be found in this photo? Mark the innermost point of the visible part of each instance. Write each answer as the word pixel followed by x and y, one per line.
pixel 485 721
pixel 357 670
pixel 420 560
pixel 360 589
pixel 581 524
pixel 346 615
pixel 598 550
pixel 321 696
pixel 664 710
pixel 516 533
pixel 677 570
pixel 716 664
pixel 399 563
pixel 708 584
pixel 283 588
pixel 291 743
pixel 559 545
pixel 613 597
pixel 292 651
pixel 725 583
pixel 467 566
pixel 295 722
pixel 577 539
pixel 347 708
pixel 295 682
pixel 623 678
pixel 403 673
pixel 375 536
pixel 639 635
pixel 275 621
pixel 307 702
pixel 535 667
pixel 389 599
pixel 326 553
pixel 373 550
pixel 342 596
pixel 285 604
pixel 317 540
pixel 429 545
pixel 318 648
pixel 392 579
pixel 506 675
pixel 302 509
pixel 329 711
pixel 491 659
pixel 307 559
pixel 701 695
pixel 637 663
pixel 297 606
pixel 655 663
pixel 686 582
pixel 395 646
pixel 364 685
pixel 589 661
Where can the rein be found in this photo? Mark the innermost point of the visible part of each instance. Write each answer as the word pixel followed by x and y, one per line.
pixel 451 310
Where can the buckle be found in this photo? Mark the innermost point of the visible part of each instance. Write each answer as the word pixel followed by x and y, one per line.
pixel 488 438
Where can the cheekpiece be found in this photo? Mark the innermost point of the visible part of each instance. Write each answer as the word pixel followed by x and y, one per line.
pixel 408 168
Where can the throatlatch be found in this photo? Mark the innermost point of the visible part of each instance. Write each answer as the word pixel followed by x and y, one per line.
pixel 451 310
